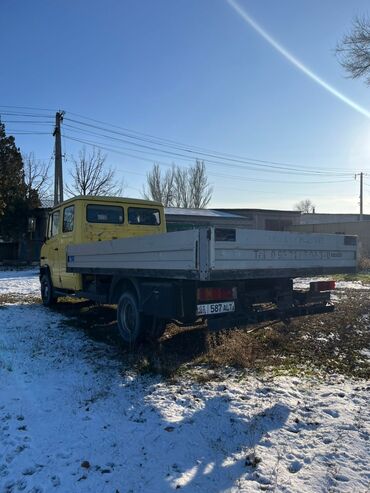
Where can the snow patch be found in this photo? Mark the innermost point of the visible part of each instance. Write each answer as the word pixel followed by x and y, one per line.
pixel 24 283
pixel 75 418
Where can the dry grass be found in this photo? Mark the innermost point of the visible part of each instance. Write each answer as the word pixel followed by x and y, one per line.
pixel 364 264
pixel 329 342
pixel 12 298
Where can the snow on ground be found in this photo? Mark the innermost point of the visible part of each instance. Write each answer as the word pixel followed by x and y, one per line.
pixel 304 283
pixel 24 282
pixel 74 418
pixel 366 353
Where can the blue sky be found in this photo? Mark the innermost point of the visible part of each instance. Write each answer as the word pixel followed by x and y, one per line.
pixel 194 72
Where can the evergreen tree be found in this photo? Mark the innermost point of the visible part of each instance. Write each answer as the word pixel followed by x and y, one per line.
pixel 13 200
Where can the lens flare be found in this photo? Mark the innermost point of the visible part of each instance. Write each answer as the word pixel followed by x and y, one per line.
pixel 293 60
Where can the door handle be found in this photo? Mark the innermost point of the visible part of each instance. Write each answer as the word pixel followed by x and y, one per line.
pixel 56 249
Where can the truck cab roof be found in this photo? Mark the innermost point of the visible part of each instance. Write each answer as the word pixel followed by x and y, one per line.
pixel 103 198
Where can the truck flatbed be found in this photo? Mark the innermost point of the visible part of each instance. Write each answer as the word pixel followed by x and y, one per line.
pixel 211 254
pixel 116 251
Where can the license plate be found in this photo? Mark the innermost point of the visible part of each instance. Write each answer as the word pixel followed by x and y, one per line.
pixel 214 308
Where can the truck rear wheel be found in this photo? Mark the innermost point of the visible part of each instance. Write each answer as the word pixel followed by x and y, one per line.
pixel 47 291
pixel 129 319
pixel 154 328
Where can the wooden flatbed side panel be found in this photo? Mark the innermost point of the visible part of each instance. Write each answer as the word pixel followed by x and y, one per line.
pixel 170 251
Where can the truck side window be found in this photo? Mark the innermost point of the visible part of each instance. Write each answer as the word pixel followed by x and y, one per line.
pixel 223 234
pixel 48 232
pixel 55 223
pixel 68 218
pixel 108 214
pixel 144 216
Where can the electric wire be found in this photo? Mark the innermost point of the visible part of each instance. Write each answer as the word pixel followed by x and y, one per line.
pixel 150 145
pixel 179 156
pixel 257 163
pixel 32 122
pixel 244 178
pixel 181 144
pixel 157 141
pixel 27 108
pixel 20 132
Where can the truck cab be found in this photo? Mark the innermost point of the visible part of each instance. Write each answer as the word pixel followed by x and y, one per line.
pixel 86 219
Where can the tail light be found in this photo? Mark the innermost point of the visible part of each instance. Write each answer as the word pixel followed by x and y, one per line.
pixel 216 294
pixel 322 286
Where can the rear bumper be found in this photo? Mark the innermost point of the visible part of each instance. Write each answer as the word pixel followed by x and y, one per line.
pixel 233 321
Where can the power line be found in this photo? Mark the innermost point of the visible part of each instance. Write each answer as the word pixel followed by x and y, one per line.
pixel 244 178
pixel 265 192
pixel 263 180
pixel 249 161
pixel 162 153
pixel 32 122
pixel 181 144
pixel 29 115
pixel 150 145
pixel 27 108
pixel 134 136
pixel 26 132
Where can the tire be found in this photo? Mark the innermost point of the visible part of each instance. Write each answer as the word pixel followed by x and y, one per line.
pixel 47 291
pixel 154 328
pixel 129 319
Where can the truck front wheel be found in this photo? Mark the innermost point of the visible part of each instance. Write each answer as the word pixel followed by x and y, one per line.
pixel 129 319
pixel 47 291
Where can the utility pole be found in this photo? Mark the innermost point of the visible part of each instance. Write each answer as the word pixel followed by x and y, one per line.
pixel 58 169
pixel 361 175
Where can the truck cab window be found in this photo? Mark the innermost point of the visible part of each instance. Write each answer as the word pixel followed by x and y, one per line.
pixel 68 219
pixel 54 229
pixel 144 216
pixel 108 214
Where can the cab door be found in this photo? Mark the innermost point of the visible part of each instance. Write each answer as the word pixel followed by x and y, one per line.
pixel 52 247
pixel 68 280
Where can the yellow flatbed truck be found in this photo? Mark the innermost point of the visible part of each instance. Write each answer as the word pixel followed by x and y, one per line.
pixel 117 251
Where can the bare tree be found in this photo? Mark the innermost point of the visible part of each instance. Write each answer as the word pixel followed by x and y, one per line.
pixel 160 187
pixel 200 189
pixel 36 178
pixel 179 187
pixel 353 51
pixel 305 206
pixel 182 196
pixel 91 177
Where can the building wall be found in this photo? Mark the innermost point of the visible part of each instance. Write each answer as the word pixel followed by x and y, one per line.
pixel 323 218
pixel 358 228
pixel 184 223
pixel 27 248
pixel 8 251
pixel 272 220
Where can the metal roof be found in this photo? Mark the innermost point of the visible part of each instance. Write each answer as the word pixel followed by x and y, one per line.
pixel 206 213
pixel 268 211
